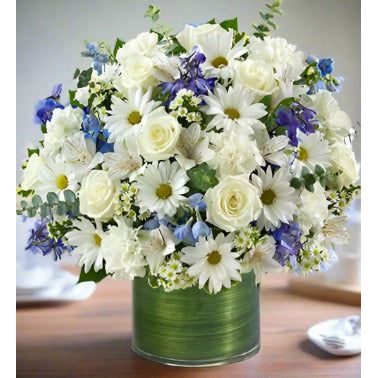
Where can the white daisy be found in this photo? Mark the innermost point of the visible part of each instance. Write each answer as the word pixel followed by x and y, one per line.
pixel 88 242
pixel 80 154
pixel 161 188
pixel 213 261
pixel 233 109
pixel 220 54
pixel 124 162
pixel 56 176
pixel 277 197
pixel 126 116
pixel 312 151
pixel 123 251
pixel 260 259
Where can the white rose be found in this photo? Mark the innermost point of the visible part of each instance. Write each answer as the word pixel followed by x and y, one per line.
pixel 63 124
pixel 82 95
pixel 233 203
pixel 158 136
pixel 137 71
pixel 193 35
pixel 97 195
pixel 31 173
pixel 314 208
pixel 343 159
pixel 144 44
pixel 256 76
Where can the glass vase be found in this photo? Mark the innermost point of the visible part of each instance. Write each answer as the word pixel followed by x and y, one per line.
pixel 190 327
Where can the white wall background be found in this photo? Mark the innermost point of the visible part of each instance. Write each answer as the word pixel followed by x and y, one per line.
pixel 51 35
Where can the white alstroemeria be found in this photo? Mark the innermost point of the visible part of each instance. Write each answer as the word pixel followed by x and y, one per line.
pixel 312 151
pixel 212 261
pixel 235 154
pixel 335 230
pixel 123 251
pixel 126 116
pixel 233 109
pixel 166 67
pixel 193 147
pixel 87 239
pixel 124 162
pixel 31 174
pixel 313 208
pixel 277 52
pixel 273 149
pixel 334 123
pixel 79 153
pixel 160 242
pixel 194 35
pixel 260 259
pixel 63 124
pixel 277 197
pixel 220 54
pixel 56 176
pixel 161 188
pixel 109 75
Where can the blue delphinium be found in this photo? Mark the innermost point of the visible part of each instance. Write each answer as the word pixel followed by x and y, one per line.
pixel 99 59
pixel 184 233
pixel 196 202
pixel 191 77
pixel 296 117
pixel 200 229
pixel 44 108
pixel 40 242
pixel 288 242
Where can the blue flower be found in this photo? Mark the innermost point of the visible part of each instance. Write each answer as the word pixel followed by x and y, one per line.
pixel 288 242
pixel 91 125
pixel 196 201
pixel 44 108
pixel 40 242
pixel 296 117
pixel 191 77
pixel 184 233
pixel 200 229
pixel 325 66
pixel 99 59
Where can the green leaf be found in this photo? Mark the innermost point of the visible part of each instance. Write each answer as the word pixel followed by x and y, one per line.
pixel 74 102
pixel 76 73
pixel 32 151
pixel 323 181
pixel 309 179
pixel 31 212
pixel 61 209
pixel 211 22
pixel 44 210
pixel 266 100
pixel 24 204
pixel 152 12
pixel 52 198
pixel 202 177
pixel 69 196
pixel 296 182
pixel 319 170
pixel 310 187
pixel 305 171
pixel 230 24
pixel 91 275
pixel 37 201
pixel 118 44
pixel 84 78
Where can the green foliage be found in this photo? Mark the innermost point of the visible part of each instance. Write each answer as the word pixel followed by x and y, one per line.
pixel 118 44
pixel 74 102
pixel 32 151
pixel 162 30
pixel 84 77
pixel 230 24
pixel 308 179
pixel 152 12
pixel 52 205
pixel 76 73
pixel 263 29
pixel 91 275
pixel 202 178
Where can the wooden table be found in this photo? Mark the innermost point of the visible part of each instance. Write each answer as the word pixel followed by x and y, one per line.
pixel 93 338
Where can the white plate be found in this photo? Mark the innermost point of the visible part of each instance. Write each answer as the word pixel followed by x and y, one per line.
pixel 339 328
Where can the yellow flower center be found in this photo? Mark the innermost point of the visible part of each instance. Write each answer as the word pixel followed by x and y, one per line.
pixel 164 191
pixel 61 182
pixel 302 154
pixel 214 258
pixel 219 61
pixel 97 239
pixel 267 197
pixel 134 118
pixel 232 113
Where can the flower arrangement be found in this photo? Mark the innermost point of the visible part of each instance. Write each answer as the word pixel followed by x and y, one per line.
pixel 193 158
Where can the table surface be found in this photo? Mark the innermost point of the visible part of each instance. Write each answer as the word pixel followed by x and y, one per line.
pixel 93 338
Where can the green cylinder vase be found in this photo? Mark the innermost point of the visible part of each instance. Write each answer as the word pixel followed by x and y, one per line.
pixel 190 327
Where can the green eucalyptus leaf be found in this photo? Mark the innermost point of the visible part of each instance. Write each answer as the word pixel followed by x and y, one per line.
pixel 31 212
pixel 310 187
pixel 61 209
pixel 37 201
pixel 52 198
pixel 309 179
pixel 296 182
pixel 319 170
pixel 69 196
